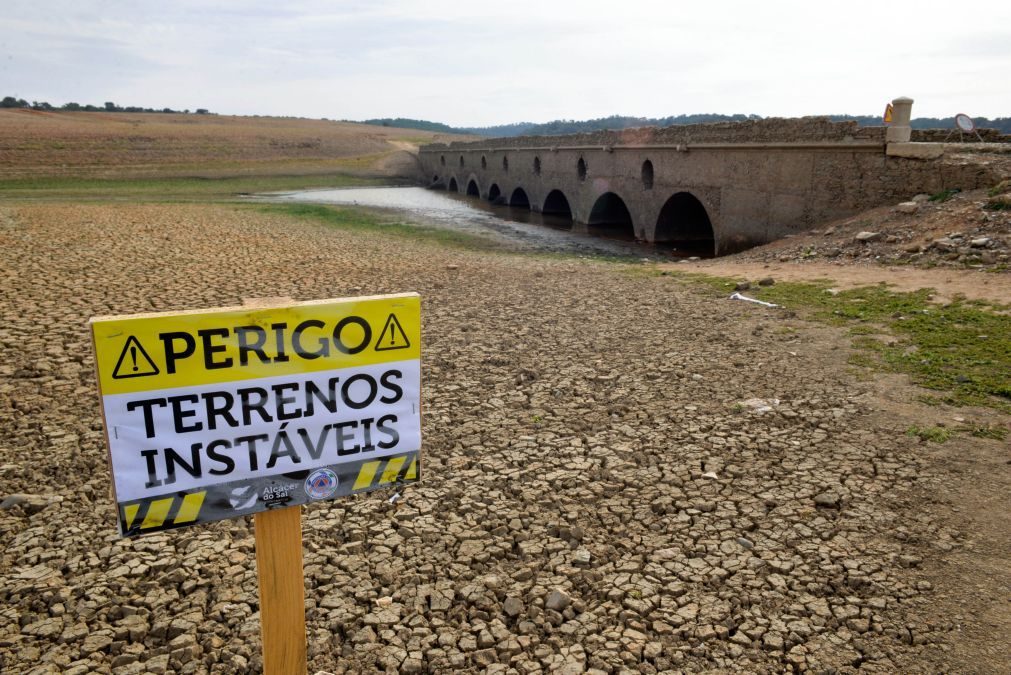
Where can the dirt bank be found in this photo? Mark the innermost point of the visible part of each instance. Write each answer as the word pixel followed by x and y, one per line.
pixel 116 145
pixel 600 490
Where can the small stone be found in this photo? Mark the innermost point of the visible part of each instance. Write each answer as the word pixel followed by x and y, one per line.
pixel 557 600
pixel 95 643
pixel 452 267
pixel 485 657
pixel 742 286
pixel 512 606
pixel 920 198
pixel 412 665
pixel 773 642
pixel 908 207
pixel 980 242
pixel 746 543
pixel 688 612
pixel 867 236
pixel 159 664
pixel 47 628
pixel 767 281
pixel 32 504
pixel 827 500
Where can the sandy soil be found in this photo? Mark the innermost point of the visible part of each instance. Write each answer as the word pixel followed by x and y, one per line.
pixel 598 493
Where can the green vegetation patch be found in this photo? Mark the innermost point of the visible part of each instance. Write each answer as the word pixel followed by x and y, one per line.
pixel 999 203
pixel 367 221
pixel 934 434
pixel 171 189
pixel 961 349
pixel 944 195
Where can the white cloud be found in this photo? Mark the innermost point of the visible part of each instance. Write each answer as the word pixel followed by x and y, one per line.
pixel 474 63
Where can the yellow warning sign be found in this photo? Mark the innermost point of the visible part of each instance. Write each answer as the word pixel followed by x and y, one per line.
pixel 241 343
pixel 888 114
pixel 229 412
pixel 134 361
pixel 393 336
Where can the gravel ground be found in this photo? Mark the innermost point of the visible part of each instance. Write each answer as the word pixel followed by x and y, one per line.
pixel 621 474
pixel 968 230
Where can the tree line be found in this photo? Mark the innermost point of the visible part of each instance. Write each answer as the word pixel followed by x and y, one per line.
pixel 109 106
pixel 617 122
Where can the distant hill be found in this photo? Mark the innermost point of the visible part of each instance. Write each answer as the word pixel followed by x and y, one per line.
pixel 1002 124
pixel 614 122
pixel 405 123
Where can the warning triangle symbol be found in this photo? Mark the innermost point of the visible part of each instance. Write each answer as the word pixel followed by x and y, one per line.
pixel 134 361
pixel 393 336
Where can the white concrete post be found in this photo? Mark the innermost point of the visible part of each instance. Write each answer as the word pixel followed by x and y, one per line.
pixel 900 131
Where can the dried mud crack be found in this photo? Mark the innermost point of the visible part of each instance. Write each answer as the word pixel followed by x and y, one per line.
pixel 601 492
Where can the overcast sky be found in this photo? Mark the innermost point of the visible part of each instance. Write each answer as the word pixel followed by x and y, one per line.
pixel 476 63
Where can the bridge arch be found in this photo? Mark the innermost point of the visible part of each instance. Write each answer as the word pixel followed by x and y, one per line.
pixel 610 215
pixel 453 187
pixel 519 198
pixel 473 189
pixel 557 204
pixel 684 223
pixel 494 192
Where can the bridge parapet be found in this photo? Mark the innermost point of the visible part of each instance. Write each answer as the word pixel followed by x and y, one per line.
pixel 772 130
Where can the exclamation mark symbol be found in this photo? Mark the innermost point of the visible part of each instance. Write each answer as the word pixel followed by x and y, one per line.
pixel 133 355
pixel 393 337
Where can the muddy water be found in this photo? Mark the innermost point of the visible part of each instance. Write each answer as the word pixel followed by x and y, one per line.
pixel 518 228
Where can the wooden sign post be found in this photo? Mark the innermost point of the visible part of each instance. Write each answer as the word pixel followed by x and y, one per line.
pixel 282 590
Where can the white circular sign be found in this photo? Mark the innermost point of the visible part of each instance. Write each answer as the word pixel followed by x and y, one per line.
pixel 964 123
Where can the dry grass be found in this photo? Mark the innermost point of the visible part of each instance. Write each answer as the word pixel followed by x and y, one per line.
pixel 114 145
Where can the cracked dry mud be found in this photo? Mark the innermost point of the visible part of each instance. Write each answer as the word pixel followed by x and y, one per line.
pixel 598 492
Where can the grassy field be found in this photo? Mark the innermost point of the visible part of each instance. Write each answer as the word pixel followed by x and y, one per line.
pixel 354 219
pixel 173 189
pixel 961 350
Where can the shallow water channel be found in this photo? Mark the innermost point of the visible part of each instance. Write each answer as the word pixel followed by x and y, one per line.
pixel 516 228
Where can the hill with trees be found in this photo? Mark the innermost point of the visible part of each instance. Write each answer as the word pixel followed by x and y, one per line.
pixel 108 106
pixel 616 122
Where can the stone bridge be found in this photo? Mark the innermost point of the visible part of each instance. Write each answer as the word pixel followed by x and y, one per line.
pixel 705 189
